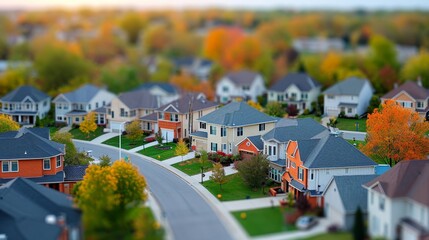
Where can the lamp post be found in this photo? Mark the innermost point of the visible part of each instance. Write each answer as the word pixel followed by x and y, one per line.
pixel 120 137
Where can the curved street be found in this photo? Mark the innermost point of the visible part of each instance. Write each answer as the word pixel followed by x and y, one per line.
pixel 188 214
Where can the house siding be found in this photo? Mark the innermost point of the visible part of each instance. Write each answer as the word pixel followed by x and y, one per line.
pixel 256 89
pixel 323 176
pixel 333 206
pixel 33 168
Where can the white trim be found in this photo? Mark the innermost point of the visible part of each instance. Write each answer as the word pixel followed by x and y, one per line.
pixel 10 166
pixel 34 158
pixel 402 91
pixel 49 164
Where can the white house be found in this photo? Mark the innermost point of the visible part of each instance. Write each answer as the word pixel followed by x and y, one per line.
pixel 242 85
pixel 398 202
pixel 25 104
pixel 350 96
pixel 71 107
pixel 298 89
pixel 318 45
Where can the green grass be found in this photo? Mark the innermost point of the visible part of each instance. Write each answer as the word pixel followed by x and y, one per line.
pixel 125 142
pixel 264 221
pixel 159 154
pixel 192 166
pixel 234 189
pixel 329 236
pixel 358 143
pixel 350 124
pixel 77 134
pixel 52 130
pixel 316 118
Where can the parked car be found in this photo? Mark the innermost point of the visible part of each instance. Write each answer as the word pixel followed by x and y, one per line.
pixel 306 222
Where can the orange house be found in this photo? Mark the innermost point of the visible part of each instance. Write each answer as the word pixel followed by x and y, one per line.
pixel 250 146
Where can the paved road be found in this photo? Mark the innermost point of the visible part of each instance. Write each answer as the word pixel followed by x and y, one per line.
pixel 188 214
pixel 349 135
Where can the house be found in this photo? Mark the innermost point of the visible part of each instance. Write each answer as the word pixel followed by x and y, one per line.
pixel 297 89
pixel 31 211
pixel 178 119
pixel 198 67
pixel 275 141
pixel 223 129
pixel 343 196
pixel 311 163
pixel 250 146
pixel 350 96
pixel 398 202
pixel 240 85
pixel 72 107
pixel 29 153
pixel 25 104
pixel 318 45
pixel 129 106
pixel 165 92
pixel 410 95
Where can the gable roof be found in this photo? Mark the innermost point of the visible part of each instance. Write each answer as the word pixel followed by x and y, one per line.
pixel 351 192
pixel 350 86
pixel 408 178
pixel 257 141
pixel 22 92
pixel 24 206
pixel 411 88
pixel 242 77
pixel 165 86
pixel 74 173
pixel 139 99
pixel 301 80
pixel 82 94
pixel 237 114
pixel 183 104
pixel 294 129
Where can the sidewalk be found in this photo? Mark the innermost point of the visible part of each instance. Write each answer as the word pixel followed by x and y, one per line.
pixel 65 129
pixel 104 137
pixel 228 171
pixel 299 234
pixel 139 148
pixel 178 159
pixel 253 203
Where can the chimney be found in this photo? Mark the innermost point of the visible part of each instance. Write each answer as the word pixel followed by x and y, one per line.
pixel 419 81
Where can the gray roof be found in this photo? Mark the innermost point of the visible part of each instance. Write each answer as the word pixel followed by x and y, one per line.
pixel 301 80
pixel 183 104
pixel 351 86
pixel 20 93
pixel 101 110
pixel 351 192
pixel 412 88
pixel 153 117
pixel 139 99
pixel 83 94
pixel 200 134
pixel 299 186
pixel 330 151
pixel 279 162
pixel 341 104
pixel 294 129
pixel 28 145
pixel 257 141
pixel 242 77
pixel 74 173
pixel 237 114
pixel 57 178
pixel 168 87
pixel 24 206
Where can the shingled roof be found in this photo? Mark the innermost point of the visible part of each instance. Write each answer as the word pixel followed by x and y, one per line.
pixel 301 80
pixel 411 88
pixel 294 129
pixel 190 100
pixel 139 99
pixel 351 86
pixel 242 77
pixel 83 94
pixel 165 86
pixel 237 114
pixel 22 92
pixel 407 179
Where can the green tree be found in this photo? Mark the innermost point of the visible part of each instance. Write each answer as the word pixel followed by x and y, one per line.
pixel 156 39
pixel 158 137
pixel 88 125
pixel 7 124
pixel 218 175
pixel 359 229
pixel 382 52
pixel 181 149
pixel 203 158
pixel 163 71
pixel 254 171
pixel 134 131
pixel 72 157
pixel 132 24
pixel 275 109
pixel 109 198
pixel 120 79
pixel 105 161
pixel 373 103
pixel 416 67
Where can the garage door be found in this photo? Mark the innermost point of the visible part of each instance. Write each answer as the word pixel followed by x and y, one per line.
pixel 246 155
pixel 200 145
pixel 332 112
pixel 167 134
pixel 114 126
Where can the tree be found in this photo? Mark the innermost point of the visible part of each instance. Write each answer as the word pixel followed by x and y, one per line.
pixel 109 198
pixel 7 124
pixel 132 24
pixel 181 148
pixel 156 39
pixel 254 171
pixel 416 67
pixel 275 109
pixel 120 78
pixel 396 133
pixel 382 52
pixel 302 204
pixel 255 105
pixel 329 66
pixel 158 137
pixel 88 125
pixel 105 161
pixel 72 157
pixel 373 104
pixel 359 229
pixel 218 175
pixel 134 131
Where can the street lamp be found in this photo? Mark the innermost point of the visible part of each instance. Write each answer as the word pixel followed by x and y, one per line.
pixel 120 137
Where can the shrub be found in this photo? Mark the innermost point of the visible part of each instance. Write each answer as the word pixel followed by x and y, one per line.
pixel 356 116
pixel 306 112
pixel 302 204
pixel 342 114
pixel 175 140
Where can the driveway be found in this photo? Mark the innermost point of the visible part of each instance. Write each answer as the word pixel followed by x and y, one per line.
pixel 188 215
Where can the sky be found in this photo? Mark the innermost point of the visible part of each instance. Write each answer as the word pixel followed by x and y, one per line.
pixel 231 4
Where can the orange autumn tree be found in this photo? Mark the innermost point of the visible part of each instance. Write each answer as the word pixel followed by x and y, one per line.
pixel 396 133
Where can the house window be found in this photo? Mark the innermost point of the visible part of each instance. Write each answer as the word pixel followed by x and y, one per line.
pixel 96 105
pixel 89 106
pixel 113 114
pixel 104 103
pixel 312 176
pixel 59 118
pixel 225 89
pixel 230 147
pixel 293 96
pixel 202 125
pixel 269 150
pixel 349 110
pixel 300 173
pixel 77 119
pixel 132 113
pixel 224 147
pixel 10 166
pixel 122 114
pixel 66 106
pixel 174 117
pixel 81 107
pixel 213 147
pixel 101 119
pixel 262 127
pixel 58 161
pixel 46 164
pixel 331 97
pixel 381 203
pixel 223 132
pixel 419 104
pixel 239 131
pixel 160 115
pixel 59 106
pixel 212 130
pixel 372 197
pixel 246 88
pixel 45 103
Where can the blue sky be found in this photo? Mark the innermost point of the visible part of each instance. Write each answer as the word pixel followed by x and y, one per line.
pixel 251 4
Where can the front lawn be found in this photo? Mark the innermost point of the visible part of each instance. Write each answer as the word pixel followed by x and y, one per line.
pixel 316 118
pixel 264 220
pixel 125 142
pixel 350 124
pixel 359 144
pixel 160 154
pixel 193 166
pixel 234 189
pixel 77 134
pixel 329 236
